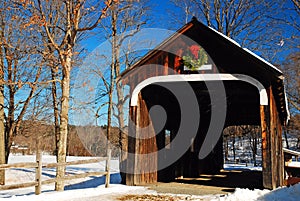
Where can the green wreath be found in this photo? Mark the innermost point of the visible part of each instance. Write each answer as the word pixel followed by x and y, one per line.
pixel 193 63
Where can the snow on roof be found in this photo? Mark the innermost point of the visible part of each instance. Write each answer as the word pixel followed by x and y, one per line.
pixel 226 37
pixel 287 107
pixel 245 49
pixel 266 62
pixel 261 59
pixel 292 152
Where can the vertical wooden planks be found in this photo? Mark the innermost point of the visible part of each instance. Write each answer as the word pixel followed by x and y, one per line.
pixel 142 164
pixel 131 146
pixel 266 154
pixel 273 172
pixel 166 65
pixel 276 134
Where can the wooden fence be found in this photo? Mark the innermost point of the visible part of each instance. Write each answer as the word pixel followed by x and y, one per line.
pixel 39 166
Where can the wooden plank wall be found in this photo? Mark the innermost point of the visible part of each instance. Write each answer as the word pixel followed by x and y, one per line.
pixel 276 130
pixel 144 163
pixel 131 146
pixel 273 174
pixel 272 154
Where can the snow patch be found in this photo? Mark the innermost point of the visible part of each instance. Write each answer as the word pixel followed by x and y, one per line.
pixel 282 193
pixel 92 188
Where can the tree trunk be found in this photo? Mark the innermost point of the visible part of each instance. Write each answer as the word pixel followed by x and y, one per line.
pixel 233 148
pixel 286 138
pixel 8 141
pixel 120 95
pixel 61 26
pixel 64 114
pixel 123 139
pixel 10 126
pixel 2 126
pixel 112 77
pixel 226 149
pixel 255 149
pixel 55 107
pixel 2 137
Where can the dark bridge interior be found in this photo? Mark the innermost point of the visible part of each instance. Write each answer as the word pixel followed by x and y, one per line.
pixel 242 107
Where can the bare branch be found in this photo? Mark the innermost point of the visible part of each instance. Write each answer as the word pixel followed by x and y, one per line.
pixel 101 16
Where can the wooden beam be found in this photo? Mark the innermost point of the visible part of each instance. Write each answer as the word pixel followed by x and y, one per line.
pixel 266 154
pixel 142 163
pixel 276 134
pixel 272 154
pixel 131 146
pixel 196 78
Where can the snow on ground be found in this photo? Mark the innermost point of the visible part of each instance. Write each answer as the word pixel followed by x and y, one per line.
pixel 243 167
pixel 283 193
pixel 92 188
pixel 294 164
pixel 100 192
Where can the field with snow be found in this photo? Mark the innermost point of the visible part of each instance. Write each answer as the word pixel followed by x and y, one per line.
pixel 92 188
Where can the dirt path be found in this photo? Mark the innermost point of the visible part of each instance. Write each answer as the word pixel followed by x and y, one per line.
pixel 222 183
pixel 219 184
pixel 189 189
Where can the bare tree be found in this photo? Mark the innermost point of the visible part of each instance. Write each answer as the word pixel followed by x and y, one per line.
pixel 20 71
pixel 292 17
pixel 230 134
pixel 292 83
pixel 246 21
pixel 188 9
pixel 250 132
pixel 293 129
pixel 297 4
pixel 291 64
pixel 126 19
pixel 293 21
pixel 292 75
pixel 75 17
pixel 2 115
pixel 253 135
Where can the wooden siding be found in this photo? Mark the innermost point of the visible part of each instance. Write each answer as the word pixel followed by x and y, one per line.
pixel 272 154
pixel 271 141
pixel 229 59
pixel 142 166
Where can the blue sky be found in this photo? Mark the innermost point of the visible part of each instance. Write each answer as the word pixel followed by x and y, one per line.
pixel 162 16
pixel 160 13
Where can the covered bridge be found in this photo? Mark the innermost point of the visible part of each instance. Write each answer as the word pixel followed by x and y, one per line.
pixel 185 92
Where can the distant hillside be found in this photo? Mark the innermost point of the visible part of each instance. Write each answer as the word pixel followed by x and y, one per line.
pixel 82 140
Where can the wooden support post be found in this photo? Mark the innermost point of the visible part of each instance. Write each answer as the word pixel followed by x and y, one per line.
pixel 107 168
pixel 2 159
pixel 141 164
pixel 38 171
pixel 272 154
pixel 166 65
pixel 266 154
pixel 131 146
pixel 280 156
pixel 276 133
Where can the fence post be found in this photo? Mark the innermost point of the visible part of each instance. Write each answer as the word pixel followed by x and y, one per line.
pixel 38 170
pixel 107 168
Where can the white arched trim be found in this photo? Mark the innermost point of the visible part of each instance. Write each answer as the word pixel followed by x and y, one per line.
pixel 200 77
